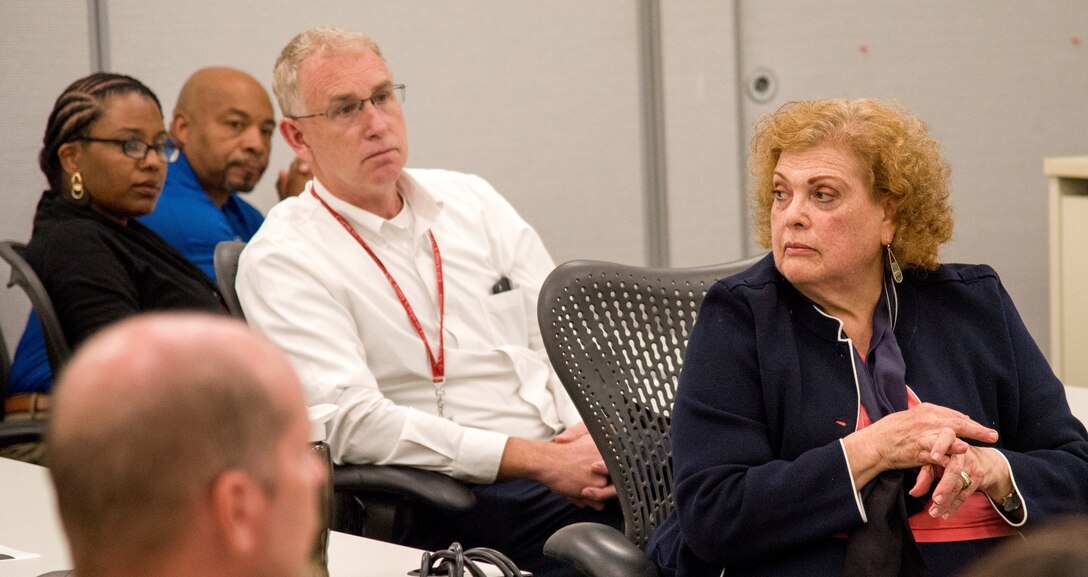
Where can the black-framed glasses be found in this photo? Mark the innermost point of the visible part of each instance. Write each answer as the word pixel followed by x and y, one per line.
pixel 137 149
pixel 346 111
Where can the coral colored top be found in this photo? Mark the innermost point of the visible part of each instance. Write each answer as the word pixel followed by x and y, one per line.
pixel 975 519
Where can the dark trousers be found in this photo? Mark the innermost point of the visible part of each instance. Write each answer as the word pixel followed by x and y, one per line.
pixel 512 517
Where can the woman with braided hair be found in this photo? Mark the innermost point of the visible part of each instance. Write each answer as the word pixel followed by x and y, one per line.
pixel 105 154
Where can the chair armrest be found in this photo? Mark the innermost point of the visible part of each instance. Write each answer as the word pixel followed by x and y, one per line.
pixel 12 432
pixel 598 551
pixel 428 487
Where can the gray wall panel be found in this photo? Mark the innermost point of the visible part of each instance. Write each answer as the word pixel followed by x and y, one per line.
pixel 707 214
pixel 540 98
pixel 544 100
pixel 45 46
pixel 1001 85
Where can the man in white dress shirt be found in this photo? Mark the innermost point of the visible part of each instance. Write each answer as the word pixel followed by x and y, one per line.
pixel 408 298
pixel 179 446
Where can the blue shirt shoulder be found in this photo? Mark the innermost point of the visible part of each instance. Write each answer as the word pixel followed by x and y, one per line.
pixel 187 218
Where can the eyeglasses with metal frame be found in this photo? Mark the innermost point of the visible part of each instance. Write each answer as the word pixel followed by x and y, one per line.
pixel 137 149
pixel 345 111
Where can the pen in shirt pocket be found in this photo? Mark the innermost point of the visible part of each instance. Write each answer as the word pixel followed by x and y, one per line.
pixel 502 286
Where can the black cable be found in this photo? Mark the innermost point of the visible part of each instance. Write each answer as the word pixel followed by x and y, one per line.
pixel 454 561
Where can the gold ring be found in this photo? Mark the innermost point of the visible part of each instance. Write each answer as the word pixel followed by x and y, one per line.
pixel 966 480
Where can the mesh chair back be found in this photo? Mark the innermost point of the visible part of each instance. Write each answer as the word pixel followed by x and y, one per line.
pixel 56 344
pixel 5 370
pixel 225 262
pixel 616 336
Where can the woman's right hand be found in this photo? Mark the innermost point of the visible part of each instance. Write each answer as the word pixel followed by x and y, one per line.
pixel 925 434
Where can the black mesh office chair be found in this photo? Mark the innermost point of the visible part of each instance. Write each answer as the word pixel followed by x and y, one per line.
pixel 370 500
pixel 225 262
pixel 56 343
pixel 5 379
pixel 616 336
pixel 13 432
pixel 5 369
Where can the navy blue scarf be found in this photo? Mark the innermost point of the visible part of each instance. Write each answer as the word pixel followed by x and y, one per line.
pixel 882 375
pixel 884 546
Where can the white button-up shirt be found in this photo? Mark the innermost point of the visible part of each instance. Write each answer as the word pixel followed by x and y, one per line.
pixel 311 288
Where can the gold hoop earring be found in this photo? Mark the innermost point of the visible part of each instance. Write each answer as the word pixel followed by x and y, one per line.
pixel 77 186
pixel 897 273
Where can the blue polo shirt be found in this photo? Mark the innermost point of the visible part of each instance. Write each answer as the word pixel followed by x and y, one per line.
pixel 186 218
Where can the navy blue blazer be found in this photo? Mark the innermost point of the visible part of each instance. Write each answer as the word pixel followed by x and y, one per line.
pixel 768 390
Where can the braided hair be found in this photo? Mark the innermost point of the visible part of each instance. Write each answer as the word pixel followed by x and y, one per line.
pixel 76 109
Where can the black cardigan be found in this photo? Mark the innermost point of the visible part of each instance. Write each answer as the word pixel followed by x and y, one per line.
pixel 97 271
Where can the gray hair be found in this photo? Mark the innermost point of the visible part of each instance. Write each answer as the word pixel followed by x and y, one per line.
pixel 308 43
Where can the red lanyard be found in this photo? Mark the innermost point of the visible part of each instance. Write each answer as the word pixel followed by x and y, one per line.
pixel 438 365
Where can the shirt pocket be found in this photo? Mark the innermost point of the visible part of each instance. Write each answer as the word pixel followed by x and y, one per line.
pixel 505 313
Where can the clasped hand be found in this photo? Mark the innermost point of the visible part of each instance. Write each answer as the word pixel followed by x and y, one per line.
pixel 931 438
pixel 582 475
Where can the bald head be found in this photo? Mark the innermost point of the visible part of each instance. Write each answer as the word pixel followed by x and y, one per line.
pixel 224 122
pixel 149 413
pixel 217 83
pixel 149 357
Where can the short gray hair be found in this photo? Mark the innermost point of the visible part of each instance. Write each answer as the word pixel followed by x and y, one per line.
pixel 308 43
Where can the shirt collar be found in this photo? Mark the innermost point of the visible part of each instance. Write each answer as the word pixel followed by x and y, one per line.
pixel 424 206
pixel 420 201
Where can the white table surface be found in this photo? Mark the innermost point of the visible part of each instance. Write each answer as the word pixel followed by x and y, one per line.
pixel 352 556
pixel 29 522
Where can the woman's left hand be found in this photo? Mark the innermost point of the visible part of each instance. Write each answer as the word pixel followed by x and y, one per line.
pixel 986 468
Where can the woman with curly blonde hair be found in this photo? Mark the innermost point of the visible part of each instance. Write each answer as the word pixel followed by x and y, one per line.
pixel 849 405
pixel 904 164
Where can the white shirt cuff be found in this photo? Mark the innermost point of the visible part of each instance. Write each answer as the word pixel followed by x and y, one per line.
pixel 850 474
pixel 479 456
pixel 1023 503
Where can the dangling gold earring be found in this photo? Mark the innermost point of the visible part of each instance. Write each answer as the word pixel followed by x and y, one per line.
pixel 77 186
pixel 897 273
